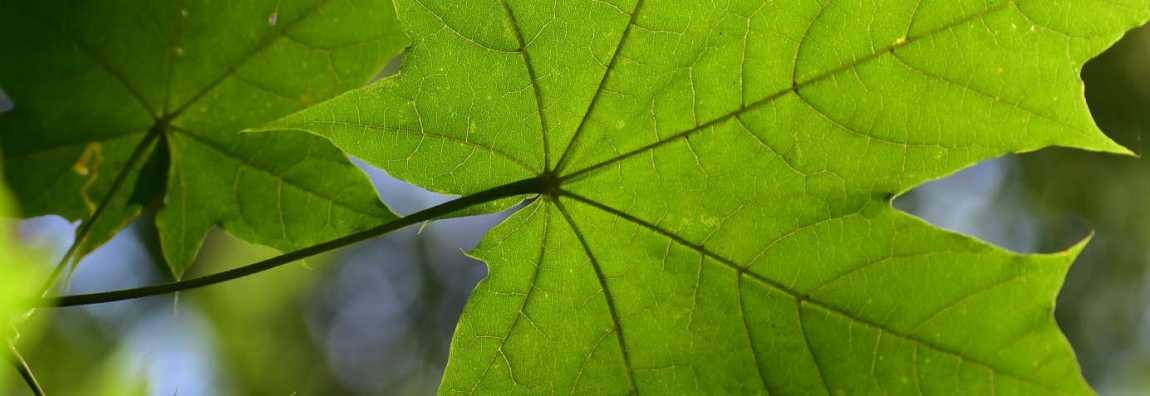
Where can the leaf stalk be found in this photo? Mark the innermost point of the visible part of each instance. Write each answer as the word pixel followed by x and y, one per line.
pixel 24 370
pixel 532 186
pixel 137 158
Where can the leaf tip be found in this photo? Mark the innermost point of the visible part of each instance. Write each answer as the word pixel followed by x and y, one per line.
pixel 1074 250
pixel 1108 145
pixel 1122 150
pixel 1102 145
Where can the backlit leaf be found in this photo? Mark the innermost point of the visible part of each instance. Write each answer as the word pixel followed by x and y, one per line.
pixel 718 218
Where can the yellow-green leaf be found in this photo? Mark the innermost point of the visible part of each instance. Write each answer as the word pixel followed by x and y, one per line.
pixel 718 214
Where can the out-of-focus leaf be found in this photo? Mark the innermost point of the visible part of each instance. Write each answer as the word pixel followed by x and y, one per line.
pixel 20 273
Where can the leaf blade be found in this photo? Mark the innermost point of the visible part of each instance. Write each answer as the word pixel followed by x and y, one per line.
pixel 194 70
pixel 726 190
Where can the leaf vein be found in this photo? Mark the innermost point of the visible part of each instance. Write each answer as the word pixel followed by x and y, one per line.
pixel 793 88
pixel 794 294
pixel 606 295
pixel 489 149
pixel 279 33
pixel 602 85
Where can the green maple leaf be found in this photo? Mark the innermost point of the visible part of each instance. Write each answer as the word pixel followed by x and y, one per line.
pixel 90 81
pixel 717 176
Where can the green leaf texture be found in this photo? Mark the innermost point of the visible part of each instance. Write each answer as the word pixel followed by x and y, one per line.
pixel 718 218
pixel 89 80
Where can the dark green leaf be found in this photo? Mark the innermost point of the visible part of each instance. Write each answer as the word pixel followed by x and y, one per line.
pixel 90 80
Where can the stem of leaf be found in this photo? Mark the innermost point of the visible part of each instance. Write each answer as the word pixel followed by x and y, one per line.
pixel 24 370
pixel 135 160
pixel 531 186
pixel 138 157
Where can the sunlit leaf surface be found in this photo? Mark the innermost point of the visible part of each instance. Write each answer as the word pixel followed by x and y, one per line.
pixel 718 218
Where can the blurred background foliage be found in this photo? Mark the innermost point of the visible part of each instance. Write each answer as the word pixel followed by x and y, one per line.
pixel 377 318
